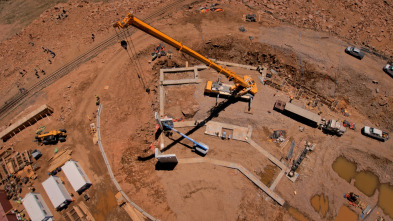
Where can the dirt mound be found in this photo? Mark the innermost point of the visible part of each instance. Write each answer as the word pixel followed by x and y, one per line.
pixel 364 22
pixel 348 87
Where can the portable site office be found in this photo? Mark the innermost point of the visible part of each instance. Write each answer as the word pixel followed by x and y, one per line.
pixel 77 177
pixel 36 207
pixel 57 192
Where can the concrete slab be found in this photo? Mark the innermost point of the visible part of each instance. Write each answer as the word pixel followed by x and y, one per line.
pixel 239 133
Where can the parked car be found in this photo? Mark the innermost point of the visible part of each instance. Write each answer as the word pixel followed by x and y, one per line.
pixel 375 133
pixel 388 69
pixel 356 52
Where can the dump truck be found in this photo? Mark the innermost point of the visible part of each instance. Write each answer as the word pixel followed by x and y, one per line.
pixel 309 118
pixel 52 137
pixel 375 133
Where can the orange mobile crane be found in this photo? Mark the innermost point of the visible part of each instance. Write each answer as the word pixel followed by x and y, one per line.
pixel 242 86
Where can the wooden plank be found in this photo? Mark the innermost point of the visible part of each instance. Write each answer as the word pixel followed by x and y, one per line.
pixel 86 211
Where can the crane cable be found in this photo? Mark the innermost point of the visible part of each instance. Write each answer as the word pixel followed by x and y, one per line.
pixel 132 60
pixel 136 58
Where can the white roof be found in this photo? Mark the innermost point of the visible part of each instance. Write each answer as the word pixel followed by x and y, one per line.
pixel 377 131
pixel 303 113
pixel 75 175
pixel 56 191
pixel 36 207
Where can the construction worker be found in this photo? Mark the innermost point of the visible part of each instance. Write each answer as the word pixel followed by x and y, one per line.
pixel 290 99
pixel 36 73
pixel 97 100
pixel 92 37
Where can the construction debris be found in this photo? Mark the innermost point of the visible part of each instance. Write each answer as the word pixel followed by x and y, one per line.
pixel 212 8
pixel 278 136
pixel 308 147
pixel 159 51
pixel 59 160
pixel 251 17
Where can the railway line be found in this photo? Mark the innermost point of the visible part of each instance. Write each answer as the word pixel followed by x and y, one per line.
pixel 19 98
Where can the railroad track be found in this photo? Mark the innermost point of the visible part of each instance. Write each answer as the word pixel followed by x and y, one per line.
pixel 19 98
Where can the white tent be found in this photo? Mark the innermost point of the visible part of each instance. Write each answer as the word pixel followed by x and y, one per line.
pixel 57 192
pixel 36 207
pixel 77 177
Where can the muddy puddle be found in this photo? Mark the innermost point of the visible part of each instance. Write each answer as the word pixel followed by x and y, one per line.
pixel 344 168
pixel 320 203
pixel 346 214
pixel 268 174
pixel 366 182
pixel 297 215
pixel 385 199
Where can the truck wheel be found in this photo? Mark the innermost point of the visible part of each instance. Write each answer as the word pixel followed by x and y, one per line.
pixel 63 130
pixel 62 139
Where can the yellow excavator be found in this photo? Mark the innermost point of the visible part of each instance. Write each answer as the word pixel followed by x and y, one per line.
pixel 52 137
pixel 243 87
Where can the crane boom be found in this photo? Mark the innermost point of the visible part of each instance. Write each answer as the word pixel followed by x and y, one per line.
pixel 242 85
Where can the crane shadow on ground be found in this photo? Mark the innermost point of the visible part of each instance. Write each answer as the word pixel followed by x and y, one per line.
pixel 213 113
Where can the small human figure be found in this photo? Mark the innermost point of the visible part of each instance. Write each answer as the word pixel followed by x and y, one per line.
pixel 36 73
pixel 50 62
pixel 43 72
pixel 93 37
pixel 290 99
pixel 21 73
pixel 53 54
pixel 97 100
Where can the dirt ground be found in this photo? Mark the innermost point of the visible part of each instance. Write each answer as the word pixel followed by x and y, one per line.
pixel 301 40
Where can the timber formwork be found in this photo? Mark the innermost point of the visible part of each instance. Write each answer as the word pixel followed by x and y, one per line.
pixel 30 119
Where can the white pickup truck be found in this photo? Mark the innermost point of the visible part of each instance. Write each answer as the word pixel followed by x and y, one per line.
pixel 375 133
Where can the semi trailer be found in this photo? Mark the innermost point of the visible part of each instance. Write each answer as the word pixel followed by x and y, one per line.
pixel 309 118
